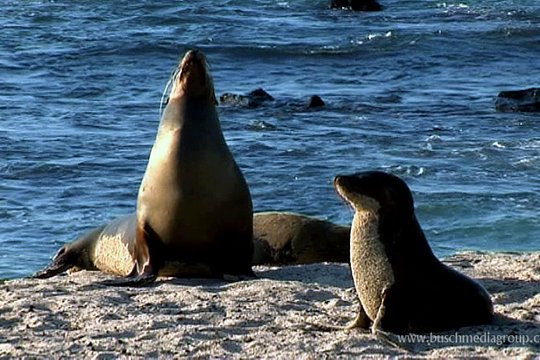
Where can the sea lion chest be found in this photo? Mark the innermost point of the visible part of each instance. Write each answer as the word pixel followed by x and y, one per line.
pixel 190 170
pixel 370 266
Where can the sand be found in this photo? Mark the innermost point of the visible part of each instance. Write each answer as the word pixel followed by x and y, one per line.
pixel 272 317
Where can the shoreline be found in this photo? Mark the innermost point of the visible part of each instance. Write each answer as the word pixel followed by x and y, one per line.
pixel 269 317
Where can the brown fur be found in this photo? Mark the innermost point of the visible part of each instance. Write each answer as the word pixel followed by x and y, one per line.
pixel 194 211
pixel 194 204
pixel 401 285
pixel 283 238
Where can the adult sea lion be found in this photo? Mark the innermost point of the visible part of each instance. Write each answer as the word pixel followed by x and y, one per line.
pixel 401 285
pixel 194 206
pixel 110 248
pixel 254 99
pixel 283 238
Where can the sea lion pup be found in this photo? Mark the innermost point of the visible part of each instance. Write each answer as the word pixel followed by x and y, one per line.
pixel 283 238
pixel 194 205
pixel 401 285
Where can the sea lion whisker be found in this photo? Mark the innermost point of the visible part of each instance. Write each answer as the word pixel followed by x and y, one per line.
pixel 168 88
pixel 164 94
pixel 344 200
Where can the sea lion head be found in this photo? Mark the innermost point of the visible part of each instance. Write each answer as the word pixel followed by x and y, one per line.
pixel 375 191
pixel 76 254
pixel 192 78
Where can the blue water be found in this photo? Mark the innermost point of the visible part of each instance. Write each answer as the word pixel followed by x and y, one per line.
pixel 409 90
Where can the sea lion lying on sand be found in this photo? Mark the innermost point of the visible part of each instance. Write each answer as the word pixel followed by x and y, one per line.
pixel 279 238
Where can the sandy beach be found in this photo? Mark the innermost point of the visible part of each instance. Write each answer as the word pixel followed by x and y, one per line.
pixel 273 316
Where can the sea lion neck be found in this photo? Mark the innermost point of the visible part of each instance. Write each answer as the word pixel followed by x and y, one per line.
pixel 185 111
pixel 404 239
pixel 198 93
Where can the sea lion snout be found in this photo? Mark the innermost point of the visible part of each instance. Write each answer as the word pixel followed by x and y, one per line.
pixel 192 57
pixel 361 183
pixel 342 184
pixel 352 190
pixel 338 180
pixel 192 79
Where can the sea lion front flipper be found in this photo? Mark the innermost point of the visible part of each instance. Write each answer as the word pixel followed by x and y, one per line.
pixel 361 321
pixel 388 295
pixel 145 270
pixel 377 327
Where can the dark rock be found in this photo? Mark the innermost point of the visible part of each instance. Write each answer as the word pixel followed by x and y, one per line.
pixel 233 99
pixel 356 5
pixel 260 94
pixel 527 100
pixel 315 101
pixel 254 99
pixel 259 97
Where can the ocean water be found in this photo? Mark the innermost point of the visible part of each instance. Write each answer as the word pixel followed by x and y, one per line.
pixel 409 90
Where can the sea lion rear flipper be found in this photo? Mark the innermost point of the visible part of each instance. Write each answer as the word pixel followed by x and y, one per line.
pixel 361 321
pixel 145 269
